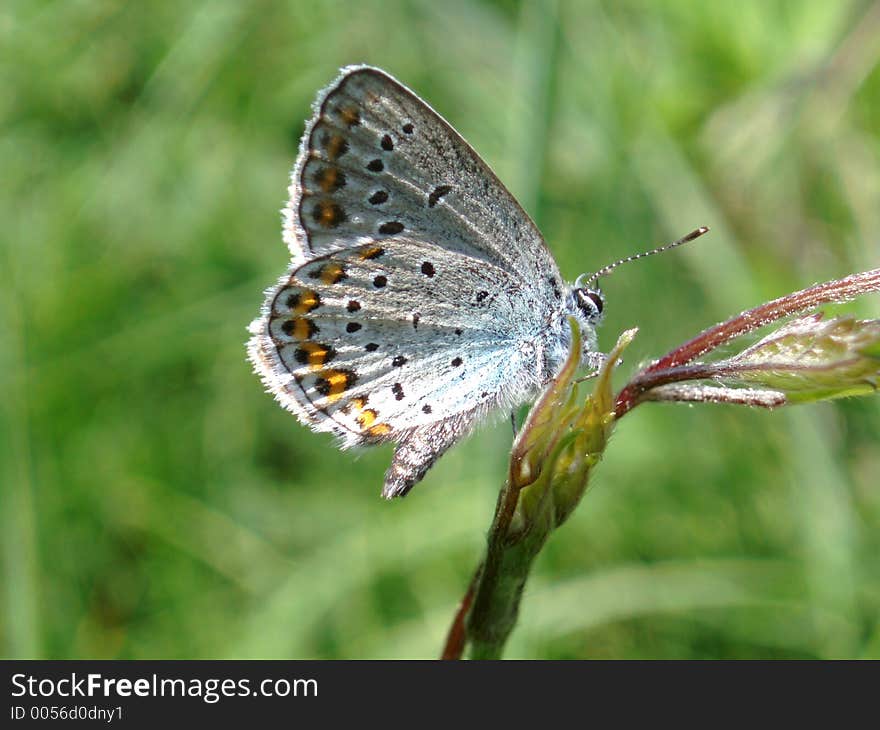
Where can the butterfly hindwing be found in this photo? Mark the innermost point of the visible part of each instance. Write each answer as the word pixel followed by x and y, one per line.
pixel 354 333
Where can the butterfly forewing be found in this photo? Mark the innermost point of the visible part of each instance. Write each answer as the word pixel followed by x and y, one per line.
pixel 377 161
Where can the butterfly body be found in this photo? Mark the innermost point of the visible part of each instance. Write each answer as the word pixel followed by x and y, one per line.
pixel 420 295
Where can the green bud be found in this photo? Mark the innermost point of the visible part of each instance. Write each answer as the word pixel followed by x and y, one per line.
pixel 561 442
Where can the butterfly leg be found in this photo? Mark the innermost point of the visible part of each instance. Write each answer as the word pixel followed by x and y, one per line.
pixel 594 360
pixel 419 450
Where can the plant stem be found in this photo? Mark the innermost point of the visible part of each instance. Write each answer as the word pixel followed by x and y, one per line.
pixel 665 369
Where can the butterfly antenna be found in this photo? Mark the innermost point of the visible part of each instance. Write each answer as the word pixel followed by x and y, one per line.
pixel 605 270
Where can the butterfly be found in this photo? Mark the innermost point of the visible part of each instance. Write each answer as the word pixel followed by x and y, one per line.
pixel 420 295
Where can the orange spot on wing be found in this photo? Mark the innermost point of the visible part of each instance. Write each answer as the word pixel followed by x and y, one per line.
pixel 336 147
pixel 302 328
pixel 367 418
pixel 314 354
pixel 332 273
pixel 380 429
pixel 371 252
pixel 306 301
pixel 329 179
pixel 328 214
pixel 350 115
pixel 333 383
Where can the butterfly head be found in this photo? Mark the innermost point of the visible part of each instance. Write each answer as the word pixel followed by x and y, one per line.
pixel 589 304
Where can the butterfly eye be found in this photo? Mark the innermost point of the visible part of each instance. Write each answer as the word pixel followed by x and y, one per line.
pixel 590 302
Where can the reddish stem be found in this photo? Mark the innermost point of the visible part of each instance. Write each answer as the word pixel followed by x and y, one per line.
pixel 457 636
pixel 669 367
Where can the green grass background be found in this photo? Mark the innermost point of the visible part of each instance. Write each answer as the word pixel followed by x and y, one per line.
pixel 156 503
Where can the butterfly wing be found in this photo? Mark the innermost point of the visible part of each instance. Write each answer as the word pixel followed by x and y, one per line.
pixel 405 342
pixel 376 159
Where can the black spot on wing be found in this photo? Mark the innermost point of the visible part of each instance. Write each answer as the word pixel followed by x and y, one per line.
pixel 390 228
pixel 438 193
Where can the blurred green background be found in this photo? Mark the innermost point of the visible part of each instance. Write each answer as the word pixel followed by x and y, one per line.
pixel 157 504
